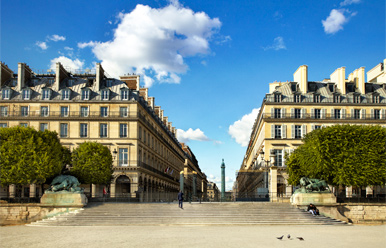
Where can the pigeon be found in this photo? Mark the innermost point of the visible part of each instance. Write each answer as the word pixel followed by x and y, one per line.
pixel 300 238
pixel 280 237
pixel 289 236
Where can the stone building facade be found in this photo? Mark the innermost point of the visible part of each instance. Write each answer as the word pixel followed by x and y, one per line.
pixel 292 109
pixel 90 106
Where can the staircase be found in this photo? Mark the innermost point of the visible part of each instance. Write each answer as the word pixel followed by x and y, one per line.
pixel 239 213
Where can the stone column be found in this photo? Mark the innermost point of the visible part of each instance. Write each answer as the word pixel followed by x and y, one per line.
pixel 32 190
pixel 273 184
pixel 134 187
pixel 93 190
pixel 349 191
pixel 288 190
pixel 12 190
pixel 112 190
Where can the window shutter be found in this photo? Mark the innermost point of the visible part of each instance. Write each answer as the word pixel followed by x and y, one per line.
pixel 363 113
pixel 293 131
pixel 312 113
pixel 383 113
pixel 343 114
pixel 312 127
pixel 273 131
pixel 284 131
pixel 323 113
pixel 323 126
pixel 303 113
pixel 283 113
pixel 332 113
pixel 304 130
pixel 372 113
pixel 292 113
pixel 272 112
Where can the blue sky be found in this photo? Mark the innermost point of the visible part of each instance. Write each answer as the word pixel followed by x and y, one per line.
pixel 207 63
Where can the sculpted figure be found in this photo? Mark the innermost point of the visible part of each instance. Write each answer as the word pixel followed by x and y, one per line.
pixel 65 183
pixel 309 185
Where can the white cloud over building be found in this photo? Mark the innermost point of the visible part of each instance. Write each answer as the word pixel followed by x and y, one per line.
pixel 241 130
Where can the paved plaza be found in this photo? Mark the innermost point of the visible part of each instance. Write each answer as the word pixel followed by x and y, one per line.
pixel 194 236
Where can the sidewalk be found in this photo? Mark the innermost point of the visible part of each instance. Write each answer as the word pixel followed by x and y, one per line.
pixel 194 236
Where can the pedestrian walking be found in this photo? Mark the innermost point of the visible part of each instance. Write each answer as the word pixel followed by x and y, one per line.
pixel 180 199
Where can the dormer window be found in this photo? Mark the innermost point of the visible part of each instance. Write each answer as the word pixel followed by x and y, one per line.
pixel 297 98
pixel 357 99
pixel 336 98
pixel 6 93
pixel 51 81
pixel 277 97
pixel 46 94
pixel 34 81
pixel 70 82
pixel 105 94
pixel 66 94
pixel 109 82
pixel 125 94
pixel 376 98
pixel 317 98
pixel 26 94
pixel 85 94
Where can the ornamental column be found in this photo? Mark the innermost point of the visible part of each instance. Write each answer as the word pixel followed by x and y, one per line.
pixel 222 180
pixel 273 184
pixel 32 190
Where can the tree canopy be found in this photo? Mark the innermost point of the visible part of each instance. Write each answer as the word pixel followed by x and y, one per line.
pixel 351 155
pixel 29 156
pixel 92 163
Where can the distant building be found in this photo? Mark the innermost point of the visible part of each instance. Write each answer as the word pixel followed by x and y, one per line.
pixel 292 109
pixel 213 193
pixel 91 106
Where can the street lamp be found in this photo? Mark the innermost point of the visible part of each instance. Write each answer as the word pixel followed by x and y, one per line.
pixel 114 154
pixel 267 164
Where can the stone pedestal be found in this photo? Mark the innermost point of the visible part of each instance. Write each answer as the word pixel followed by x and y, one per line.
pixel 64 199
pixel 314 198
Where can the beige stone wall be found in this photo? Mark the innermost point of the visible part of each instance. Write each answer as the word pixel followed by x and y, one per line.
pixel 364 212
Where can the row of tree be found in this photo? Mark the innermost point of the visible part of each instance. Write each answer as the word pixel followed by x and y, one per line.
pixel 28 156
pixel 350 155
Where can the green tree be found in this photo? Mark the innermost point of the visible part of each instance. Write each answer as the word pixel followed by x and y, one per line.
pixel 352 155
pixel 29 156
pixel 92 163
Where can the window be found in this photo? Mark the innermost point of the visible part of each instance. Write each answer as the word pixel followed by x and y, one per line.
pixel 83 111
pixel 277 113
pixel 122 160
pixel 357 114
pixel 51 81
pixel 46 94
pixel 105 95
pixel 6 93
pixel 317 127
pixel 70 82
pixel 298 131
pixel 317 113
pixel 44 111
pixel 63 130
pixel 375 98
pixel 23 124
pixel 377 114
pixel 277 131
pixel 25 94
pixel 279 157
pixel 357 99
pixel 3 125
pixel 124 94
pixel 103 130
pixel 317 98
pixel 122 130
pixel 277 98
pixel 109 83
pixel 336 99
pixel 123 111
pixel 43 126
pixel 104 111
pixel 83 130
pixel 85 94
pixel 66 94
pixel 297 113
pixel 64 111
pixel 336 113
pixel 24 111
pixel 4 111
pixel 297 98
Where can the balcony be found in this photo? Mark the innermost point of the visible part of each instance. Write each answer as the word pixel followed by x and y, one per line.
pixel 326 117
pixel 67 114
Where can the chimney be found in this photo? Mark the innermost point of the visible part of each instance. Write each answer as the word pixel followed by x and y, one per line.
pixel 132 81
pixel 339 78
pixel 301 77
pixel 150 101
pixel 61 74
pixel 143 92
pixel 5 73
pixel 161 114
pixel 24 74
pixel 358 76
pixel 100 73
pixel 165 120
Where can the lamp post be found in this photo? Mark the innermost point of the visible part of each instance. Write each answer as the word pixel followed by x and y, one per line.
pixel 114 154
pixel 267 163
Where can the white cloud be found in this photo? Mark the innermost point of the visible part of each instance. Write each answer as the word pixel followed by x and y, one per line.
pixel 190 134
pixel 73 65
pixel 155 42
pixel 335 21
pixel 349 2
pixel 42 45
pixel 68 48
pixel 217 180
pixel 56 37
pixel 241 130
pixel 278 44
